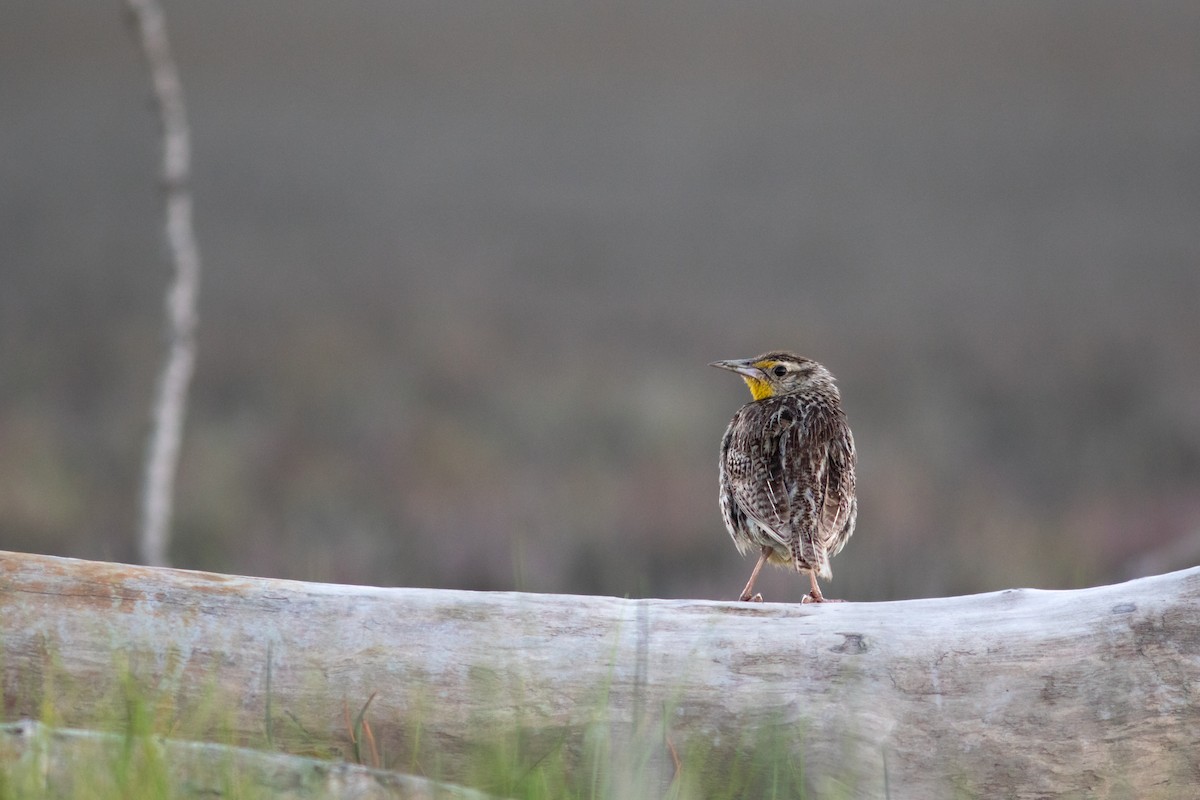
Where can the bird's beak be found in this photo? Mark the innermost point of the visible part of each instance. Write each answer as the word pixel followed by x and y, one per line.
pixel 743 367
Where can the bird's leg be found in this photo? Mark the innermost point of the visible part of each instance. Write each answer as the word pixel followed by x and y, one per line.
pixel 762 559
pixel 815 596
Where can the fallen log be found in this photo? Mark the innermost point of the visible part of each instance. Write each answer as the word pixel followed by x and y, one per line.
pixel 1020 693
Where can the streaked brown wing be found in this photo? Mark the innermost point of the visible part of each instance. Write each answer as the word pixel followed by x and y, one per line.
pixel 840 509
pixel 762 481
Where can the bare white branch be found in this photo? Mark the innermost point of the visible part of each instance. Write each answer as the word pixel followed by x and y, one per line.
pixel 170 403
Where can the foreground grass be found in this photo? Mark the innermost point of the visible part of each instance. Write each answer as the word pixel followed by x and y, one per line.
pixel 144 754
pixel 147 742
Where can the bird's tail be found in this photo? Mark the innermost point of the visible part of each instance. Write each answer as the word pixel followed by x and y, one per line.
pixel 808 556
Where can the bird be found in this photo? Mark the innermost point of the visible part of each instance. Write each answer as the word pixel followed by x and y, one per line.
pixel 787 479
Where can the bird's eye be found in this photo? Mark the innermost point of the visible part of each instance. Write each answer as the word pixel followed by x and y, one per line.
pixel 780 370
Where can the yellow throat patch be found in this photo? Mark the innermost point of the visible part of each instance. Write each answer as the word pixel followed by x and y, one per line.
pixel 759 388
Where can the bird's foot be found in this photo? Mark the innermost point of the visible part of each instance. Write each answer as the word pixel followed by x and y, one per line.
pixel 816 597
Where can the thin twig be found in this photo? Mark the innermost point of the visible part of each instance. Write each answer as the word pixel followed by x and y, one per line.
pixel 674 759
pixel 170 404
pixel 350 729
pixel 371 746
pixel 360 729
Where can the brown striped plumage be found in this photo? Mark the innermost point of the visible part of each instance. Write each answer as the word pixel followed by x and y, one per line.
pixel 787 467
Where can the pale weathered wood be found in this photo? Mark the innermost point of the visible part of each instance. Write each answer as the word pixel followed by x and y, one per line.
pixel 51 762
pixel 1022 693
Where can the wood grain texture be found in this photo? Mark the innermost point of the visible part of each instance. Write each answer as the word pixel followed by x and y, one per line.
pixel 1021 693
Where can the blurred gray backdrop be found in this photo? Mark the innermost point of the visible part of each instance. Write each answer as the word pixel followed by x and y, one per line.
pixel 465 264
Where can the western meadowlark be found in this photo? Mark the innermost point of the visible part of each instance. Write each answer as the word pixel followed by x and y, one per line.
pixel 787 468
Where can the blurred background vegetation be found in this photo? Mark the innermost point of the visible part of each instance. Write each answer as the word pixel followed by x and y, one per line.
pixel 465 264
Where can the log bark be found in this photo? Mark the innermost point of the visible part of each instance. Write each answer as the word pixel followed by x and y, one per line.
pixel 1022 693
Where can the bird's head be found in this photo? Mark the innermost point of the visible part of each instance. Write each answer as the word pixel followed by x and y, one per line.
pixel 776 373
